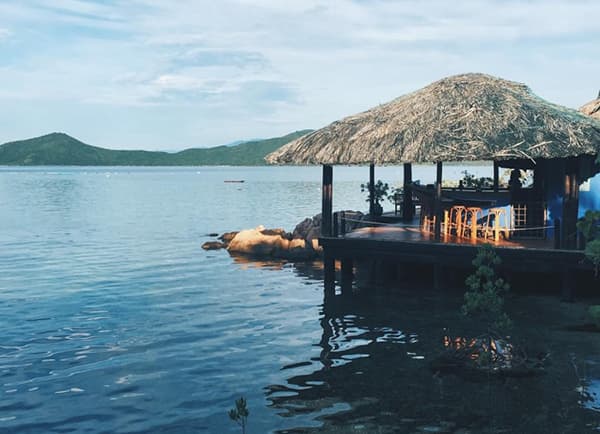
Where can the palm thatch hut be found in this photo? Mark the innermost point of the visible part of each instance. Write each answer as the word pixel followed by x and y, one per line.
pixel 469 117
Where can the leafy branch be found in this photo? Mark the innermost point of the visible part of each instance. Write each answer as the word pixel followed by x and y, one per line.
pixel 486 290
pixel 240 413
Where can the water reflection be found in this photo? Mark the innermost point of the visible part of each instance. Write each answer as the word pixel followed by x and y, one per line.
pixel 375 373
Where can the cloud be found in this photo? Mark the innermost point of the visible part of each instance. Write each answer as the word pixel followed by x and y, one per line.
pixel 261 64
pixel 4 34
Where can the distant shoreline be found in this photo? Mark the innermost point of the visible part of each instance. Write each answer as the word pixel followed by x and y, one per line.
pixel 452 164
pixel 60 149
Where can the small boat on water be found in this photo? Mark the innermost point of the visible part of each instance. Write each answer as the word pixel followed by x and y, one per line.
pixel 235 180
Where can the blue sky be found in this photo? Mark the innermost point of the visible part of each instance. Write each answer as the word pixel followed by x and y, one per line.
pixel 165 74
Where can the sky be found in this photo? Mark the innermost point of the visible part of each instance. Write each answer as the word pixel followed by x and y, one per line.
pixel 174 74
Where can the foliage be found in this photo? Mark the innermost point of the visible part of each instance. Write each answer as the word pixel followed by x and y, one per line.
pixel 61 149
pixel 594 313
pixel 592 253
pixel 589 226
pixel 394 192
pixel 484 296
pixel 470 181
pixel 380 191
pixel 240 413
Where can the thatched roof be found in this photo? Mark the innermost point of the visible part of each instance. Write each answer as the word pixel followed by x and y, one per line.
pixel 592 108
pixel 464 117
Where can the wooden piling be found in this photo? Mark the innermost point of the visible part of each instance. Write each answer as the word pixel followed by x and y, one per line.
pixel 371 188
pixel 347 275
pixel 408 209
pixel 327 201
pixel 329 274
pixel 438 212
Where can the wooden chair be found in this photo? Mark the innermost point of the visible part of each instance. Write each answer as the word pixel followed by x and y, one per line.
pixel 473 215
pixel 494 226
pixel 457 220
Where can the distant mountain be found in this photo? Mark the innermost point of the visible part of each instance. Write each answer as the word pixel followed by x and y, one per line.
pixel 63 150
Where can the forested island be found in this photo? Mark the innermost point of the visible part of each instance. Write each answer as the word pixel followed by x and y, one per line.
pixel 60 149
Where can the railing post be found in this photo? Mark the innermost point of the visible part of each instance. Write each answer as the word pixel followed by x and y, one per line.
pixel 327 201
pixel 437 231
pixel 343 222
pixel 407 202
pixel 371 188
pixel 336 225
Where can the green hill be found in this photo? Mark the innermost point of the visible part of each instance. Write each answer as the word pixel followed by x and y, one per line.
pixel 63 150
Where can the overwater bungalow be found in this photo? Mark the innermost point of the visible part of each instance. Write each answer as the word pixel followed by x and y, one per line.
pixel 464 118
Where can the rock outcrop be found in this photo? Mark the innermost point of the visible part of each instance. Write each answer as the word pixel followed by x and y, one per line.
pixel 592 108
pixel 213 245
pixel 274 243
pixel 301 244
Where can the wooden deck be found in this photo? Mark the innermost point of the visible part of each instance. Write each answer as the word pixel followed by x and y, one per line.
pixel 415 235
pixel 408 244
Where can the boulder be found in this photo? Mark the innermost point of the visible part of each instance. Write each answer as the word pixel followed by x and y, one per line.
pixel 308 229
pixel 301 244
pixel 277 231
pixel 227 237
pixel 270 243
pixel 213 245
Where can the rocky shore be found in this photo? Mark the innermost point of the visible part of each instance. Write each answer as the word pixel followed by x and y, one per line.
pixel 302 244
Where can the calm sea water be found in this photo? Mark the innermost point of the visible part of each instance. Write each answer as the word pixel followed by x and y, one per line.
pixel 114 320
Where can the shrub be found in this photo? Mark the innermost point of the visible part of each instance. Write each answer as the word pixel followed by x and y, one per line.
pixel 589 226
pixel 484 296
pixel 592 253
pixel 594 313
pixel 380 190
pixel 470 181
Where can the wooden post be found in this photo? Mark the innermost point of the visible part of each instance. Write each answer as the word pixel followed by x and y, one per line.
pixel 347 275
pixel 437 208
pixel 557 241
pixel 408 210
pixel 343 223
pixel 567 285
pixel 329 274
pixel 327 201
pixel 438 212
pixel 570 205
pixel 496 176
pixel 371 188
pixel 336 224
